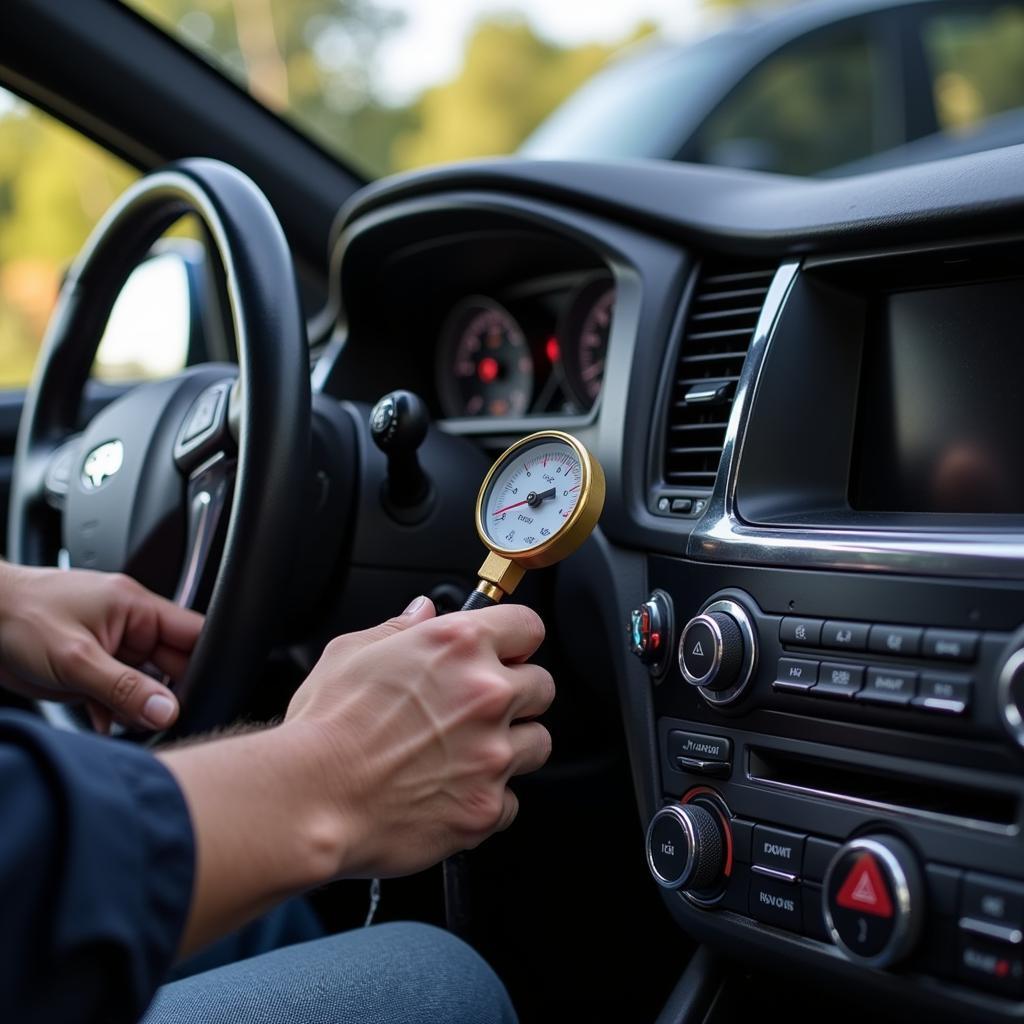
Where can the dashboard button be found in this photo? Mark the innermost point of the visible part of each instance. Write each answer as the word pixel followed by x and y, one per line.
pixel 852 636
pixel 997 901
pixel 888 686
pixel 839 680
pixel 777 903
pixel 899 640
pixel 806 632
pixel 693 744
pixel 774 848
pixel 950 694
pixel 991 965
pixel 943 889
pixel 950 644
pixel 795 674
pixel 682 506
pixel 818 854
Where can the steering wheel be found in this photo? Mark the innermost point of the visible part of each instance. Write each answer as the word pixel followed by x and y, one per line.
pixel 195 485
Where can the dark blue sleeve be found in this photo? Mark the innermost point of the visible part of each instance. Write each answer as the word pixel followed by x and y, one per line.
pixel 96 870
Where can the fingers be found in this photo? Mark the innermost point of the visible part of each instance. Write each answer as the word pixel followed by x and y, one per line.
pixel 531 747
pixel 153 621
pixel 131 695
pixel 534 691
pixel 419 610
pixel 513 630
pixel 509 810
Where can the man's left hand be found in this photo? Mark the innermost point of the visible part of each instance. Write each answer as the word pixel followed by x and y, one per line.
pixel 81 634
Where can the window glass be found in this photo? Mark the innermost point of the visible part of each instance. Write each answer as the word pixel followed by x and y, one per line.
pixel 976 57
pixel 54 186
pixel 807 109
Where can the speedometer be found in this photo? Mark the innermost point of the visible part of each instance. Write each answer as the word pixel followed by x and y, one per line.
pixel 585 335
pixel 485 366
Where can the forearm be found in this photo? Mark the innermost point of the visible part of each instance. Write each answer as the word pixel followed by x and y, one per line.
pixel 261 831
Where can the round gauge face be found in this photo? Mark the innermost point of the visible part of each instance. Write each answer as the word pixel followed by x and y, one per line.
pixel 486 367
pixel 532 496
pixel 587 327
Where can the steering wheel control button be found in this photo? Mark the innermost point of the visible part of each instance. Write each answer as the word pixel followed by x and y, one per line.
pixel 776 902
pixel 795 675
pixel 900 641
pixel 873 900
pixel 949 695
pixel 650 630
pixel 950 644
pixel 850 636
pixel 718 651
pixel 778 850
pixel 695 752
pixel 685 849
pixel 889 686
pixel 802 632
pixel 839 680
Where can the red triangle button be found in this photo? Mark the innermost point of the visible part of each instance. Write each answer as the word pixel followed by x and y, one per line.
pixel 865 890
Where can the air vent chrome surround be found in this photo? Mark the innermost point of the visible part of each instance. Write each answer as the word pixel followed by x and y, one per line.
pixel 723 314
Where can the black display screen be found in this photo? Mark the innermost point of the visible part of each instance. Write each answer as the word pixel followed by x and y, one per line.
pixel 940 426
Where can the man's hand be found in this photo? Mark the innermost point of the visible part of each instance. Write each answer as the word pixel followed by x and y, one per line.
pixel 418 725
pixel 396 752
pixel 79 634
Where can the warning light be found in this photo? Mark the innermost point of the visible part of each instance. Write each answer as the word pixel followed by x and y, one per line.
pixel 865 890
pixel 487 369
pixel 553 349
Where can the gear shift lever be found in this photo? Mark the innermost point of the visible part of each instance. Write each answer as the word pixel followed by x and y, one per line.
pixel 398 426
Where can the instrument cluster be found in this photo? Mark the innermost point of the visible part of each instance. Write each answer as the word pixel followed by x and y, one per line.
pixel 541 349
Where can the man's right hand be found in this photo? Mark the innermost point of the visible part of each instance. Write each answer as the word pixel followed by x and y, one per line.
pixel 395 753
pixel 417 725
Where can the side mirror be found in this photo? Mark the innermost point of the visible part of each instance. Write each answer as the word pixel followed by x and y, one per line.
pixel 155 327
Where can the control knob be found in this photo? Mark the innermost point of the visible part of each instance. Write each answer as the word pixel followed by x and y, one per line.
pixel 685 849
pixel 718 651
pixel 873 900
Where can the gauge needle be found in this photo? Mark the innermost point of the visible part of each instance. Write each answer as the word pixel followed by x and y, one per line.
pixel 533 499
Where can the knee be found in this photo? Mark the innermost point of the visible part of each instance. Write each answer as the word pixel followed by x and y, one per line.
pixel 447 979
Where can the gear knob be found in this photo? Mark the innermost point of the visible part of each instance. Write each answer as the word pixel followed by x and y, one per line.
pixel 398 426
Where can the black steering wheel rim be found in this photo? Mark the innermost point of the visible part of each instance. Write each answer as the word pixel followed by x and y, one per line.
pixel 274 434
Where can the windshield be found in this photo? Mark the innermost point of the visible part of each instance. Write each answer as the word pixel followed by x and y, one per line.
pixel 812 87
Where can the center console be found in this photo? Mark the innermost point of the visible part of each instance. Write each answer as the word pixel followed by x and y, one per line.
pixel 837 662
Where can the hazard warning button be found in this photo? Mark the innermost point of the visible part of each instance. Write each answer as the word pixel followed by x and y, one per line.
pixel 711 651
pixel 872 896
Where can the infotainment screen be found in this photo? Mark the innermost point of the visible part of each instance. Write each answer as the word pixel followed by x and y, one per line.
pixel 940 426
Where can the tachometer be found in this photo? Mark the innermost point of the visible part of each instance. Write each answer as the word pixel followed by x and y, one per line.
pixel 587 326
pixel 485 366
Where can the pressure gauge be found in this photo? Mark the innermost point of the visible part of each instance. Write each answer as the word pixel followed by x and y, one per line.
pixel 537 505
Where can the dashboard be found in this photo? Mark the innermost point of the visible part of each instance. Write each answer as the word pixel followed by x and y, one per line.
pixel 540 350
pixel 807 589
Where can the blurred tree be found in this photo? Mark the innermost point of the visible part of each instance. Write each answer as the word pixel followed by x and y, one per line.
pixel 510 80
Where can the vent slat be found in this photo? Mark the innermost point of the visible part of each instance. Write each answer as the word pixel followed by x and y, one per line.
pixel 724 312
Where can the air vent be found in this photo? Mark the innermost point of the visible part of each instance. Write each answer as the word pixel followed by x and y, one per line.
pixel 720 326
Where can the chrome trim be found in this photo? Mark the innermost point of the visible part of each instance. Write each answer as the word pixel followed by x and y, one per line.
pixel 935 817
pixel 720 535
pixel 716 662
pixel 990 930
pixel 782 876
pixel 678 812
pixel 907 918
pixel 1009 710
pixel 741 617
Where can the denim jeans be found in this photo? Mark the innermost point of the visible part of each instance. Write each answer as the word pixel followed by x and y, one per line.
pixel 395 973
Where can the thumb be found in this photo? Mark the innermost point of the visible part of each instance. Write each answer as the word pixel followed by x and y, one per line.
pixel 419 610
pixel 134 697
